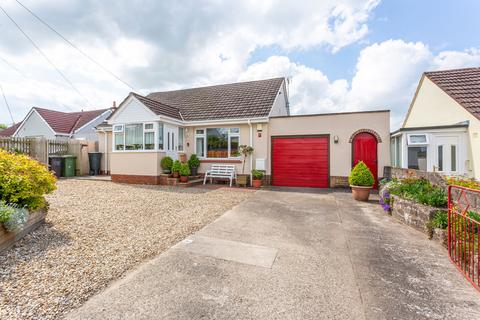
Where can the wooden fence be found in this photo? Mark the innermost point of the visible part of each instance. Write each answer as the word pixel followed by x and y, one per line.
pixel 41 148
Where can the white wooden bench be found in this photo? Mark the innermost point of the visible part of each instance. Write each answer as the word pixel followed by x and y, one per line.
pixel 225 171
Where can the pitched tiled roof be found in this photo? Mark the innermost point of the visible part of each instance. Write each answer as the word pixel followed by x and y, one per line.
pixel 67 122
pixel 463 85
pixel 158 107
pixel 251 99
pixel 60 122
pixel 10 130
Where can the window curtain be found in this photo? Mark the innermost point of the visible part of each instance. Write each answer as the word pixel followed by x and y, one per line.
pixel 134 136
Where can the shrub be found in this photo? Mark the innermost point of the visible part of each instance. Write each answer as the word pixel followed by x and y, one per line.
pixel 420 190
pixel 6 211
pixel 439 220
pixel 244 151
pixel 464 182
pixel 24 181
pixel 257 175
pixel 361 176
pixel 166 163
pixel 17 220
pixel 184 170
pixel 176 166
pixel 193 161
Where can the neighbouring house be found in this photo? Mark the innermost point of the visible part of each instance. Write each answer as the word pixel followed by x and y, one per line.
pixel 305 150
pixel 52 124
pixel 441 131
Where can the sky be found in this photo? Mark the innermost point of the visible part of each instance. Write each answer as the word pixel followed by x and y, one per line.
pixel 339 56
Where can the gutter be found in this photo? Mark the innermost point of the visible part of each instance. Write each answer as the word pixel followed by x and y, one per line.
pixel 251 144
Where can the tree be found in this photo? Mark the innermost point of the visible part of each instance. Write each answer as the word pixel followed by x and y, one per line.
pixel 3 126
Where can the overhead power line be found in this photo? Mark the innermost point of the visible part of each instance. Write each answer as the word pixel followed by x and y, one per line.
pixel 75 47
pixel 45 56
pixel 8 106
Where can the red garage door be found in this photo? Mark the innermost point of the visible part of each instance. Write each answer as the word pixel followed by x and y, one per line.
pixel 300 161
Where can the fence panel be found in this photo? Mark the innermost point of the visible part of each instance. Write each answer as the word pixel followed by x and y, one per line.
pixel 59 147
pixel 464 232
pixel 22 145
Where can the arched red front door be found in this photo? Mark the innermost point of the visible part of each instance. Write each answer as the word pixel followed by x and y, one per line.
pixel 364 148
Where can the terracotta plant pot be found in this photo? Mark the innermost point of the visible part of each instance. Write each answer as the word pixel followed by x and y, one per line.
pixel 242 180
pixel 184 179
pixel 256 183
pixel 175 175
pixel 361 193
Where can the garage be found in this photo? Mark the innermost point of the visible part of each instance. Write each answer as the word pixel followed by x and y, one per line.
pixel 300 161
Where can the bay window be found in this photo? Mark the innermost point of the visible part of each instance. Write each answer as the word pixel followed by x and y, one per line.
pixel 217 142
pixel 134 136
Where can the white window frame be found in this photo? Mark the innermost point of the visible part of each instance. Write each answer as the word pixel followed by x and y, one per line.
pixel 410 143
pixel 116 129
pixel 230 134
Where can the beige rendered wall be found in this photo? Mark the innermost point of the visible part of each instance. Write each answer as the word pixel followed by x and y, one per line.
pixel 343 126
pixel 106 152
pixel 433 107
pixel 136 163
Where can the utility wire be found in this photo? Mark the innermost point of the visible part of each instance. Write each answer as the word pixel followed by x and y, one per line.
pixel 75 47
pixel 8 63
pixel 8 106
pixel 45 56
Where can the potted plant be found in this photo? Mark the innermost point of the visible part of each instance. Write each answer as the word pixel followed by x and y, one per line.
pixel 166 164
pixel 257 177
pixel 176 168
pixel 361 181
pixel 244 151
pixel 194 163
pixel 184 172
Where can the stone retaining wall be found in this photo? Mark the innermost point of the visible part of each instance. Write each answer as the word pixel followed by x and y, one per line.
pixel 412 213
pixel 435 178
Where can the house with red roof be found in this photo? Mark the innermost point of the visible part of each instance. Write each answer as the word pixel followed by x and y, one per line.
pixel 52 124
pixel 441 131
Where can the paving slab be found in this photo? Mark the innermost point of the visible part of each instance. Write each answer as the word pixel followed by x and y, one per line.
pixel 291 254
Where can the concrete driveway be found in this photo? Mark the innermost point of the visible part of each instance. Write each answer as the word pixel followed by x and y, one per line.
pixel 288 254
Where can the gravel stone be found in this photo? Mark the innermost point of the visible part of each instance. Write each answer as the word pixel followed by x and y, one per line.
pixel 94 233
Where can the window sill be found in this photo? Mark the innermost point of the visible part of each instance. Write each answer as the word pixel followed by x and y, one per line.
pixel 220 160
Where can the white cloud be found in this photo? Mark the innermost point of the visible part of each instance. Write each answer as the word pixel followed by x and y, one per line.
pixel 386 76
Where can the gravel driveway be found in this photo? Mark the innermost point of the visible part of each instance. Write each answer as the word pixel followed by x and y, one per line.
pixel 95 232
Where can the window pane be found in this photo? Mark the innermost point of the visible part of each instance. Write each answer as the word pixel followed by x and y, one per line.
pixel 398 153
pixel 417 158
pixel 453 150
pixel 118 128
pixel 199 145
pixel 234 142
pixel 217 143
pixel 392 152
pixel 199 131
pixel 418 138
pixel 119 141
pixel 234 130
pixel 160 136
pixel 149 126
pixel 149 141
pixel 440 158
pixel 180 139
pixel 134 137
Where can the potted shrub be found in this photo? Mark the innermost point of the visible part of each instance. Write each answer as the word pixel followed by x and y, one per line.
pixel 257 177
pixel 361 181
pixel 184 172
pixel 176 168
pixel 244 151
pixel 166 164
pixel 194 163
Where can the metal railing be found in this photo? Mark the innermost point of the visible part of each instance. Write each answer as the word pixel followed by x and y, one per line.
pixel 464 232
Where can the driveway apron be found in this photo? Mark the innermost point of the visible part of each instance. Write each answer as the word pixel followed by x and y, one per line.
pixel 294 254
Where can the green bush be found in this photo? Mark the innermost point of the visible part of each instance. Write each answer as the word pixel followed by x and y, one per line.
pixel 166 163
pixel 6 211
pixel 420 190
pixel 176 166
pixel 361 176
pixel 24 181
pixel 193 161
pixel 257 175
pixel 439 220
pixel 184 170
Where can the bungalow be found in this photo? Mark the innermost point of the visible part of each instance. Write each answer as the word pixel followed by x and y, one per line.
pixel 52 124
pixel 212 122
pixel 441 131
